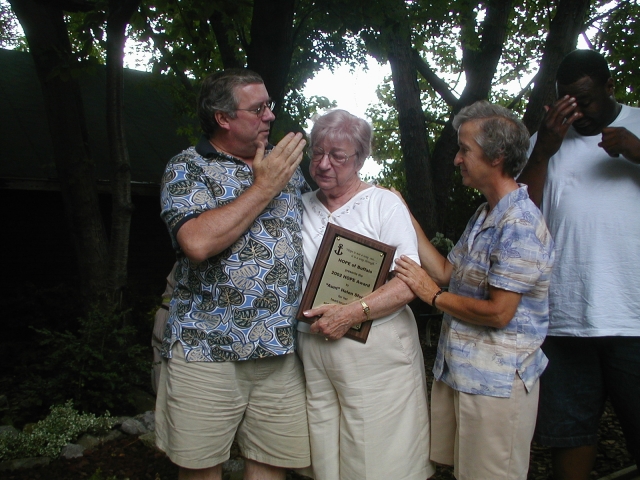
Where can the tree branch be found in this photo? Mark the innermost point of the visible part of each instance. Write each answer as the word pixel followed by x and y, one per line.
pixel 436 82
pixel 227 53
pixel 158 43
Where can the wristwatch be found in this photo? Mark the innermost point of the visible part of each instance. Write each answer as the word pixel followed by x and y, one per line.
pixel 366 309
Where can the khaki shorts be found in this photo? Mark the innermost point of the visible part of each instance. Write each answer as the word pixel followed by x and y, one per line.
pixel 202 407
pixel 483 437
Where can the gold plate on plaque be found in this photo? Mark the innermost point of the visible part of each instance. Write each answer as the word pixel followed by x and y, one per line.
pixel 348 267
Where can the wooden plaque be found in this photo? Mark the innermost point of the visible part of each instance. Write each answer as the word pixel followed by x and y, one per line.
pixel 348 267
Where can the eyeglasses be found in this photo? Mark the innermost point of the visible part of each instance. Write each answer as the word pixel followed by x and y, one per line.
pixel 336 158
pixel 259 112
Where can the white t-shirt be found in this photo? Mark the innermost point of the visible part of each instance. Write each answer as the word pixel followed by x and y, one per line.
pixel 374 212
pixel 591 203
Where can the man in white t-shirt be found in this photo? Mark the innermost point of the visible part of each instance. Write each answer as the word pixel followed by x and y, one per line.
pixel 584 171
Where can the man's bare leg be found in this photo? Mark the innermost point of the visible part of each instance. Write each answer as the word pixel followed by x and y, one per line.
pixel 213 473
pixel 261 471
pixel 573 463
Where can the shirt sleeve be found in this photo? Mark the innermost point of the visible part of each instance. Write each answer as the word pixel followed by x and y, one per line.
pixel 185 193
pixel 521 253
pixel 396 228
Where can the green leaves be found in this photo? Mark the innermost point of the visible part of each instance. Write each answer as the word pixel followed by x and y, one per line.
pixel 617 35
pixel 47 438
pixel 99 365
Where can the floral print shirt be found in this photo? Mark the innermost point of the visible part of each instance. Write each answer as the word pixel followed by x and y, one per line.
pixel 509 248
pixel 240 304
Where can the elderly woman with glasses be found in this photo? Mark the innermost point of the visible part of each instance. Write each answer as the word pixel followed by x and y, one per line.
pixel 367 403
pixel 484 398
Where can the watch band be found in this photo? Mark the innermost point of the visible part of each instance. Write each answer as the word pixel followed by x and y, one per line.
pixel 366 309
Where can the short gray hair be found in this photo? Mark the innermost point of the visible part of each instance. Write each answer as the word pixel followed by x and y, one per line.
pixel 502 134
pixel 218 94
pixel 338 125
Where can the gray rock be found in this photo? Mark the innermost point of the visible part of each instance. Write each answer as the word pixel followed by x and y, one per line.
pixel 72 450
pixel 148 419
pixel 131 426
pixel 112 435
pixel 89 441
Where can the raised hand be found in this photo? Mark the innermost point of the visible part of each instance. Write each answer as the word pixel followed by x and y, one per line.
pixel 273 172
pixel 555 125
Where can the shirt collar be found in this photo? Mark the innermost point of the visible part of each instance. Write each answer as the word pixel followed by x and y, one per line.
pixel 505 202
pixel 206 150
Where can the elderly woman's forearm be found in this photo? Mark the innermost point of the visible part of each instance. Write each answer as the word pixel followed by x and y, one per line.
pixel 389 298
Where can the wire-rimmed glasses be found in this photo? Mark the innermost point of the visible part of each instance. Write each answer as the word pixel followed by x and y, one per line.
pixel 260 111
pixel 336 158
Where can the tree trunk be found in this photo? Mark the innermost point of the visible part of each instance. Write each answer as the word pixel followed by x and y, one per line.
pixel 480 65
pixel 45 30
pixel 120 12
pixel 565 27
pixel 271 47
pixel 413 136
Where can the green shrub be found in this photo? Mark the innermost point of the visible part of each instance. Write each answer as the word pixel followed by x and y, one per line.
pixel 47 438
pixel 99 364
pixel 442 243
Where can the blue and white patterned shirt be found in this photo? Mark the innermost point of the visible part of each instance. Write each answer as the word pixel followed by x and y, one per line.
pixel 240 304
pixel 509 248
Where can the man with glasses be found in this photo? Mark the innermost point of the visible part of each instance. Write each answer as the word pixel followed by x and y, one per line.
pixel 233 214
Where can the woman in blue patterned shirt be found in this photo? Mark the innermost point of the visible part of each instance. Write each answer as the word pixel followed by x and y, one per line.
pixel 485 392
